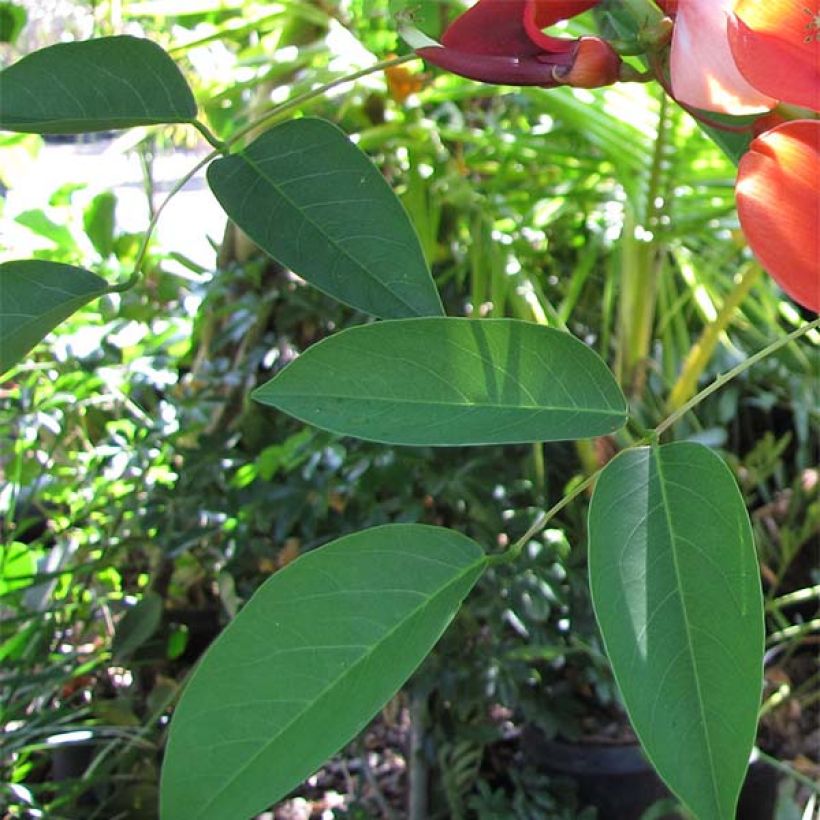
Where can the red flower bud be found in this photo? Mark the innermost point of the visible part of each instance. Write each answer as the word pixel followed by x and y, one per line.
pixel 594 64
pixel 501 41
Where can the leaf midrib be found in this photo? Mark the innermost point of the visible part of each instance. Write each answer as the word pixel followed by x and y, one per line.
pixel 692 657
pixel 336 246
pixel 355 665
pixel 461 405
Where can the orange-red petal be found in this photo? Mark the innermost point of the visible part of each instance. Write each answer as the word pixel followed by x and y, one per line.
pixel 778 202
pixel 541 14
pixel 703 70
pixel 776 45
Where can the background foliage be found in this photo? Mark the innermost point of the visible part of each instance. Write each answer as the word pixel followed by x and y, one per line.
pixel 145 499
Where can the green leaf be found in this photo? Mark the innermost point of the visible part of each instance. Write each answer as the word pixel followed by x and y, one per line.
pixel 316 652
pixel 35 296
pixel 95 85
pixel 137 625
pixel 13 19
pixel 440 381
pixel 733 143
pixel 312 200
pixel 18 565
pixel 676 590
pixel 99 221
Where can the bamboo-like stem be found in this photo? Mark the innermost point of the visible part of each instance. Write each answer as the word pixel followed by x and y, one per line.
pixel 702 351
pixel 653 436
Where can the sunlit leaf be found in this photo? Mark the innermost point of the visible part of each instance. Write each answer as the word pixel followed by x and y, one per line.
pixel 442 381
pixel 676 589
pixel 310 659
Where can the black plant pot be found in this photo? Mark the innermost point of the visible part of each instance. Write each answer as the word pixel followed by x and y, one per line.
pixel 621 784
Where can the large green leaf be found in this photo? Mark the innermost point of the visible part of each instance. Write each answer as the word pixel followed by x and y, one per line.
pixel 35 296
pixel 312 200
pixel 95 85
pixel 308 661
pixel 676 590
pixel 442 381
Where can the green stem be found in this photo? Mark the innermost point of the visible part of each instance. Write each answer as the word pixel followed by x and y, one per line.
pixel 796 597
pixel 789 771
pixel 307 96
pixel 720 381
pixel 134 278
pixel 221 147
pixel 514 552
pixel 644 12
pixel 210 136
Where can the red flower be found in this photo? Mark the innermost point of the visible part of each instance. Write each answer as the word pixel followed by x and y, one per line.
pixel 776 45
pixel 778 202
pixel 738 56
pixel 501 41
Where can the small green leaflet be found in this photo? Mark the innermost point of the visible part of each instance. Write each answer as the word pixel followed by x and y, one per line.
pixel 308 661
pixel 312 200
pixel 138 624
pixel 676 590
pixel 94 85
pixel 438 381
pixel 35 296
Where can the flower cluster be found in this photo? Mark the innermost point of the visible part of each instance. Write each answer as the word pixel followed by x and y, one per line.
pixel 733 57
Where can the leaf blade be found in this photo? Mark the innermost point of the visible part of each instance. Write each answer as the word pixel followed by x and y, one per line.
pixel 134 83
pixel 35 296
pixel 312 200
pixel 447 382
pixel 682 624
pixel 410 593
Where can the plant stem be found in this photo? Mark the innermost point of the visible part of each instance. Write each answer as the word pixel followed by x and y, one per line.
pixel 299 99
pixel 134 278
pixel 514 552
pixel 541 521
pixel 210 136
pixel 724 379
pixel 223 148
pixel 789 771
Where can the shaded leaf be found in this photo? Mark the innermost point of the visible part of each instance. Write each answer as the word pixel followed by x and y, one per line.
pixel 676 590
pixel 320 647
pixel 437 381
pixel 95 85
pixel 312 200
pixel 35 296
pixel 138 624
